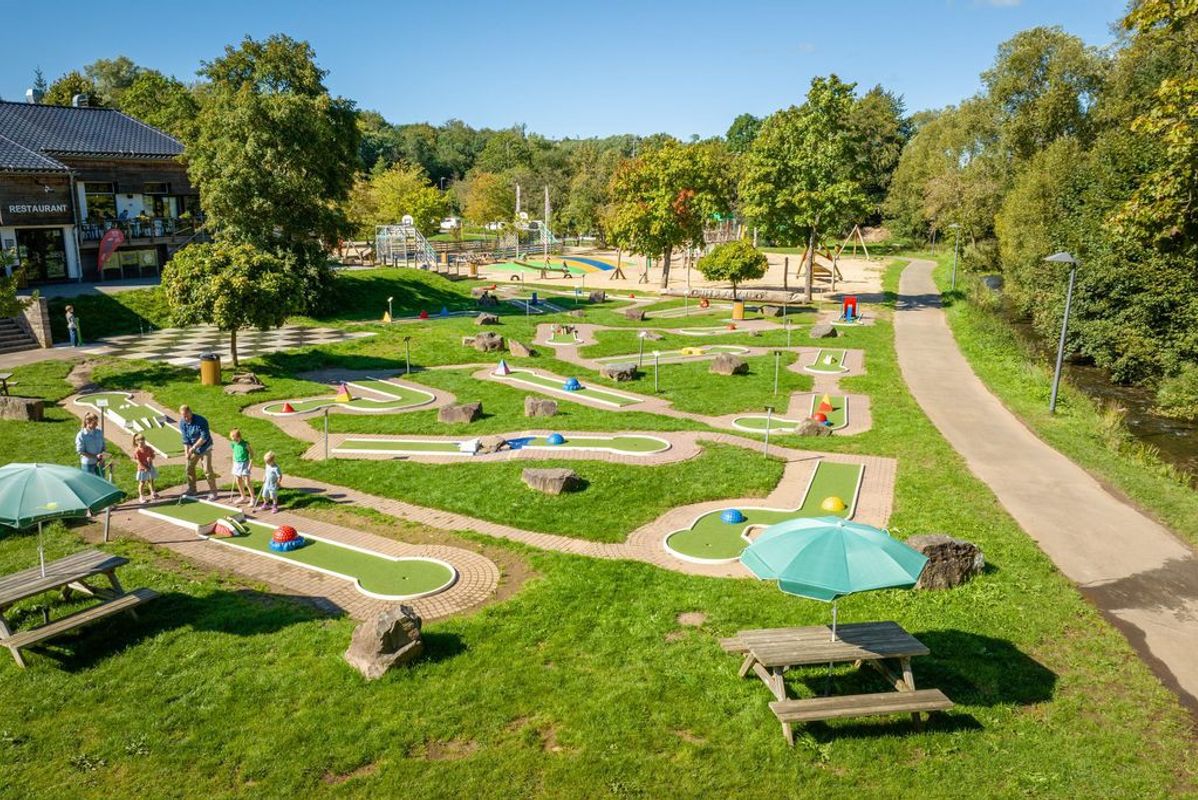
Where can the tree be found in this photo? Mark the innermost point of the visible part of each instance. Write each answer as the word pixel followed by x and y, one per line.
pixel 233 286
pixel 799 176
pixel 275 155
pixel 389 194
pixel 662 199
pixel 733 262
pixel 742 132
pixel 10 304
pixel 161 101
pixel 39 80
pixel 111 77
pixel 879 123
pixel 64 89
pixel 488 198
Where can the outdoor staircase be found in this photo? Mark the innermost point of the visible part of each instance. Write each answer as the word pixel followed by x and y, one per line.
pixel 13 337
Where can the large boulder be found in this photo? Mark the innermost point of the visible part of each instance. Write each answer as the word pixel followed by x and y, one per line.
pixel 518 349
pixel 539 406
pixel 492 444
pixel 618 372
pixel 22 409
pixel 597 297
pixel 810 427
pixel 951 562
pixel 635 313
pixel 551 481
pixel 728 364
pixel 487 342
pixel 578 312
pixel 378 644
pixel 486 319
pixel 460 412
pixel 771 311
pixel 824 330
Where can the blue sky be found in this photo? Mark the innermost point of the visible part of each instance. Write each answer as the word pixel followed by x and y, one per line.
pixel 565 68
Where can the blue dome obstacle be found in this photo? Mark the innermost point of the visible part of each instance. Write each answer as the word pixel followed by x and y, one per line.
pixel 732 516
pixel 571 385
pixel 556 438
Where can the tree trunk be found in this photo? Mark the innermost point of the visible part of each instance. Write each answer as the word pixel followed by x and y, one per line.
pixel 665 268
pixel 233 347
pixel 810 264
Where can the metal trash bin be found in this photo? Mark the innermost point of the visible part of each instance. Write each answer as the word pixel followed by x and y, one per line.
pixel 210 369
pixel 738 310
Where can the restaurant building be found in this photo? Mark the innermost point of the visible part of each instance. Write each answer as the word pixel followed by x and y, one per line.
pixel 70 174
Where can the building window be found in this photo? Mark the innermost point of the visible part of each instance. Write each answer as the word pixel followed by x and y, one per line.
pixel 101 201
pixel 156 187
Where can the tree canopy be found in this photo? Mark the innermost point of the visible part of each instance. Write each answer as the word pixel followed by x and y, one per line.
pixel 734 262
pixel 387 195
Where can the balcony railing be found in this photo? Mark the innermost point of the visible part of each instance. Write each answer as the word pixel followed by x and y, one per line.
pixel 141 228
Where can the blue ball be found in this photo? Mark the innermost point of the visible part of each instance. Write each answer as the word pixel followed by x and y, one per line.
pixel 572 385
pixel 732 516
pixel 556 438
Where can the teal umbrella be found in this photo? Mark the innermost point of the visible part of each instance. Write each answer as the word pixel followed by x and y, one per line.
pixel 825 558
pixel 36 493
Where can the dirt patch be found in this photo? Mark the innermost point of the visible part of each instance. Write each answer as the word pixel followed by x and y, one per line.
pixel 453 750
pixel 549 740
pixel 335 778
pixel 690 737
pixel 80 376
pixel 675 636
pixel 514 571
pixel 692 619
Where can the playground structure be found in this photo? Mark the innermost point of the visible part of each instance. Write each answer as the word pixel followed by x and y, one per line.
pixel 376 575
pixel 121 409
pixel 403 245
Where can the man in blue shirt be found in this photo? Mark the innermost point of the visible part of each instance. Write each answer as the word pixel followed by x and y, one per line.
pixel 197 447
pixel 89 444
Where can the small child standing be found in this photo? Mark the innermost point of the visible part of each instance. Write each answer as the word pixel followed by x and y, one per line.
pixel 243 456
pixel 147 473
pixel 272 478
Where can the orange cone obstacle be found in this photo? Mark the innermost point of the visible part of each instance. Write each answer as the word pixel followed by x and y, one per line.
pixel 825 405
pixel 288 408
pixel 343 395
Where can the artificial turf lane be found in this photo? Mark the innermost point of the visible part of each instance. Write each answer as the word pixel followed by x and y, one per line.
pixel 838 416
pixel 629 444
pixel 164 437
pixel 395 398
pixel 712 538
pixel 554 383
pixel 676 356
pixel 827 361
pixel 376 574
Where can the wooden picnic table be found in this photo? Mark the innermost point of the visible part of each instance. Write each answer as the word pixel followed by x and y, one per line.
pixel 885 646
pixel 70 574
pixel 4 376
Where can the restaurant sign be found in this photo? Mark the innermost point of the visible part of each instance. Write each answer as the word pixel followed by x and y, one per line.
pixel 30 201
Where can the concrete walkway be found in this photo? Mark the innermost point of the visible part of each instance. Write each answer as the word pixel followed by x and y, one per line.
pixel 1138 573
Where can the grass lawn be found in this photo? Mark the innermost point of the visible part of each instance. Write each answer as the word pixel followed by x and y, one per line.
pixel 585 683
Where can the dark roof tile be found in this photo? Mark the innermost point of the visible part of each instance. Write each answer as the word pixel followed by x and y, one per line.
pixel 88 131
pixel 15 158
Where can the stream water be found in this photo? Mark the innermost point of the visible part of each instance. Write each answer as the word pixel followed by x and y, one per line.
pixel 1177 440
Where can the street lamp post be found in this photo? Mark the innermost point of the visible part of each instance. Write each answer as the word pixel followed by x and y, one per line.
pixel 769 417
pixel 442 184
pixel 956 250
pixel 390 315
pixel 1062 258
pixel 407 355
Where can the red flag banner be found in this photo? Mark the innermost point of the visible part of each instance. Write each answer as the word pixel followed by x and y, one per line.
pixel 113 239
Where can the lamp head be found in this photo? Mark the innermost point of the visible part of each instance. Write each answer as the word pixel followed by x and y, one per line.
pixel 1061 258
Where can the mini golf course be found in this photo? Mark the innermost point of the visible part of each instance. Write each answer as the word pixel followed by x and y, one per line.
pixel 373 574
pixel 133 417
pixel 562 339
pixel 554 385
pixel 688 310
pixel 720 331
pixel 683 355
pixel 838 416
pixel 387 397
pixel 628 444
pixel 827 361
pixel 711 540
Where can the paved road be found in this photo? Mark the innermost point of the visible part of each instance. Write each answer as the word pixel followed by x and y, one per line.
pixel 1140 575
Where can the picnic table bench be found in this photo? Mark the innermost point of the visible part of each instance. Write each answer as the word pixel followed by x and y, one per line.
pixel 4 377
pixel 71 575
pixel 885 646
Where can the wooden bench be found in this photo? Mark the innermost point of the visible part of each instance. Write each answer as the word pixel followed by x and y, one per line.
pixel 123 603
pixel 790 712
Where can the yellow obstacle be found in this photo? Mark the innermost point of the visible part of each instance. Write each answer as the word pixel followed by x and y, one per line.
pixel 833 504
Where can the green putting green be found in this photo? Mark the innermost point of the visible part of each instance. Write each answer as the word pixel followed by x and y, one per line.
pixel 827 360
pixel 691 310
pixel 628 444
pixel 553 383
pixel 563 339
pixel 374 574
pixel 134 417
pixel 676 356
pixel 721 331
pixel 390 397
pixel 712 539
pixel 838 416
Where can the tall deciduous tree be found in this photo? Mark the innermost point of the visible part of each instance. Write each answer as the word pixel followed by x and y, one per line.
pixel 662 199
pixel 800 175
pixel 111 77
pixel 390 194
pixel 64 89
pixel 880 124
pixel 488 198
pixel 232 286
pixel 161 101
pixel 742 132
pixel 734 262
pixel 275 155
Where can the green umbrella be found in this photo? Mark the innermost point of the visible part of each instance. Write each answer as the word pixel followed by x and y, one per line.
pixel 35 493
pixel 825 558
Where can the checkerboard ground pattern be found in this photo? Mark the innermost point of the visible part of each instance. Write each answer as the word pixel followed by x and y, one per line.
pixel 184 346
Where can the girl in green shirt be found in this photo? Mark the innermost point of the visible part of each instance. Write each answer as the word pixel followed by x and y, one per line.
pixel 243 456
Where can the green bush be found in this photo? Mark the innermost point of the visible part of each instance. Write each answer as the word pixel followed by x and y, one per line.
pixel 1178 395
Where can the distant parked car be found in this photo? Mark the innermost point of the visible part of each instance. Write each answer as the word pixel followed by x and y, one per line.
pixel 496 226
pixel 450 223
